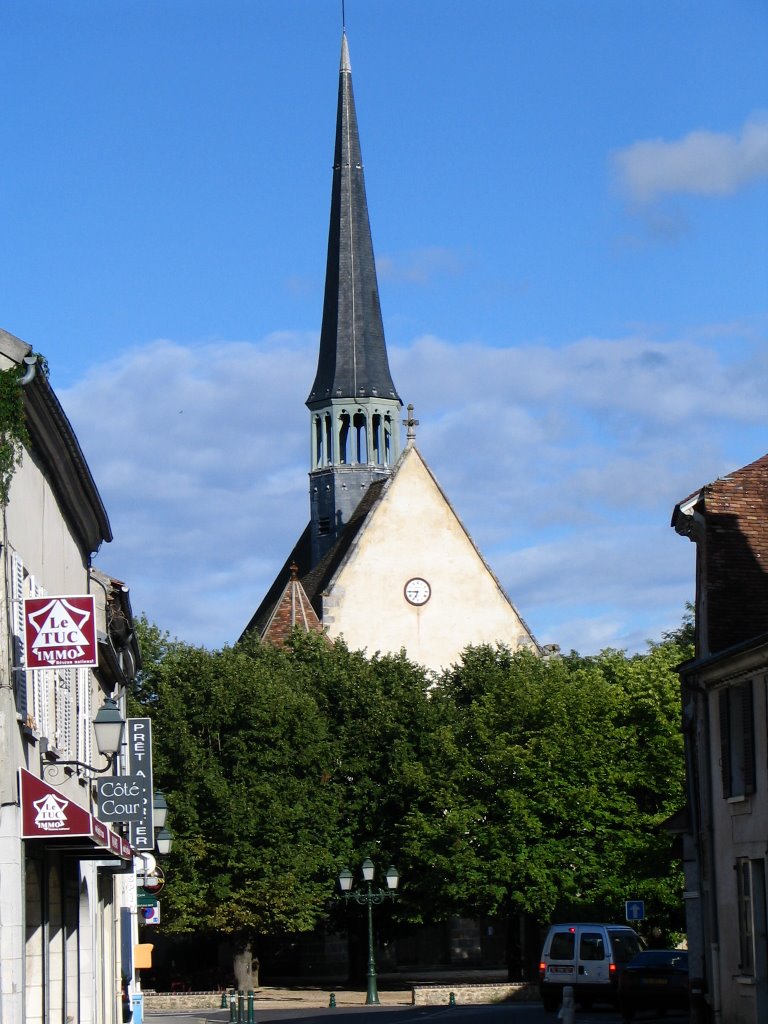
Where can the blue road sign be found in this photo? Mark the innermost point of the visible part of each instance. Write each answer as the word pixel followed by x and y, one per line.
pixel 634 910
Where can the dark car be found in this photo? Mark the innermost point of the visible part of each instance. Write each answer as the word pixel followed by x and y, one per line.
pixel 656 979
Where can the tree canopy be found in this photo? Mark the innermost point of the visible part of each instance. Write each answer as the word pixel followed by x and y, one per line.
pixel 512 784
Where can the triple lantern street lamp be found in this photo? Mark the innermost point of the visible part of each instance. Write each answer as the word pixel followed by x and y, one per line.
pixel 369 896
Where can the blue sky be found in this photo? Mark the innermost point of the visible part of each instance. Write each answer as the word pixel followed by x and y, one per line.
pixel 569 204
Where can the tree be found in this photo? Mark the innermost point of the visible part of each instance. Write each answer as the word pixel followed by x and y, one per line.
pixel 245 758
pixel 548 785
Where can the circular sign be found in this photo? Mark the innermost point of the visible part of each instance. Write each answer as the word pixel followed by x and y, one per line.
pixel 153 883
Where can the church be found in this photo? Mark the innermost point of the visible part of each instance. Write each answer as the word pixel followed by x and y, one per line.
pixel 384 561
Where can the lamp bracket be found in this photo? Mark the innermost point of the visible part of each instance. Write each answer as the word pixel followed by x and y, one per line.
pixel 51 765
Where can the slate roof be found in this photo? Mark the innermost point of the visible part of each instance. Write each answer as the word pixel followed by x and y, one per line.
pixel 353 359
pixel 732 554
pixel 313 580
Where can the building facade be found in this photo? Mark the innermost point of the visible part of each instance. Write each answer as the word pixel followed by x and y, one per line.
pixel 725 716
pixel 65 945
pixel 385 562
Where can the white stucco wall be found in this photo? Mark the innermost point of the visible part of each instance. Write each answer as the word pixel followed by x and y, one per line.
pixel 414 532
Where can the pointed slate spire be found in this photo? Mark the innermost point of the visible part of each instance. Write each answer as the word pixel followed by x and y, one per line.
pixel 353 355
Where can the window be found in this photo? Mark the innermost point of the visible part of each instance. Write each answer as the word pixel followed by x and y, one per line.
pixel 625 945
pixel 744 906
pixel 591 946
pixel 737 740
pixel 562 948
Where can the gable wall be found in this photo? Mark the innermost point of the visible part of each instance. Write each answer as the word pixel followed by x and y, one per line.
pixel 414 532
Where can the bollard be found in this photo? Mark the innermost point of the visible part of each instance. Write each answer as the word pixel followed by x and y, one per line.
pixel 452 999
pixel 568 1010
pixel 241 1007
pixel 332 1001
pixel 224 1000
pixel 251 1019
pixel 232 1009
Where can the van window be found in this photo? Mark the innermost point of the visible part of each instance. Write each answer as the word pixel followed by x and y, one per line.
pixel 591 946
pixel 562 946
pixel 625 946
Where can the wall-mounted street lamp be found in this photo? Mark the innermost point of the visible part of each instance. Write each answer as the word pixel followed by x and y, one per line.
pixel 108 726
pixel 163 841
pixel 159 809
pixel 369 896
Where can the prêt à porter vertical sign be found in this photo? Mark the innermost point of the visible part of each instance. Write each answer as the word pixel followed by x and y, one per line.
pixel 139 745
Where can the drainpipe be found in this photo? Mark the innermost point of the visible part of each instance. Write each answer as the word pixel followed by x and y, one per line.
pixel 31 370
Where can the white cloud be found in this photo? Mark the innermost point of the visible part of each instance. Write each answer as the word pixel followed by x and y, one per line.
pixel 701 163
pixel 564 463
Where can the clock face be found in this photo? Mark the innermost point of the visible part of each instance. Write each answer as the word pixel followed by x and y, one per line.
pixel 417 591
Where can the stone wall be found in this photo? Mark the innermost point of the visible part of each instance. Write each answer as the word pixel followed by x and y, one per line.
pixel 155 1002
pixel 440 995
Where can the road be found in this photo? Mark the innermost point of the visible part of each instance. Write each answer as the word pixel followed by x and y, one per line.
pixel 476 1013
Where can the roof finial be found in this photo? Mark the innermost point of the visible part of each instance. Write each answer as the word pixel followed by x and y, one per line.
pixel 411 424
pixel 343 18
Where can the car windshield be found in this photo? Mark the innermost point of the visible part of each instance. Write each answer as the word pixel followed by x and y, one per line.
pixel 625 945
pixel 662 958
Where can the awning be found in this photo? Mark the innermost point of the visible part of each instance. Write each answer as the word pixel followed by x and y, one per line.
pixel 62 824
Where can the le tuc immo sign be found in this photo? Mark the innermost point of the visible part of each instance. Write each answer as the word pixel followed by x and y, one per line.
pixel 48 815
pixel 60 632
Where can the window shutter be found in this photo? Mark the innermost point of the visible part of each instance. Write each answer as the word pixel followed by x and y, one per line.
pixel 725 742
pixel 63 696
pixel 40 698
pixel 17 617
pixel 84 705
pixel 748 737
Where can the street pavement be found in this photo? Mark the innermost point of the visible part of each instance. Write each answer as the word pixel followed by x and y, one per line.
pixel 309 1008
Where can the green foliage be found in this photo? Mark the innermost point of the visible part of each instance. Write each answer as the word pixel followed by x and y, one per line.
pixel 242 754
pixel 515 785
pixel 549 785
pixel 13 428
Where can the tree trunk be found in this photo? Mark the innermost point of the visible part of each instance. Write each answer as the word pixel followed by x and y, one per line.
pixel 245 967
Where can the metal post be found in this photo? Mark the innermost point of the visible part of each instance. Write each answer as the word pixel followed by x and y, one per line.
pixel 241 1007
pixel 232 1009
pixel 372 996
pixel 251 1019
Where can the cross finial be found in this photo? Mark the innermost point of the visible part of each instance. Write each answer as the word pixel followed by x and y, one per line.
pixel 411 424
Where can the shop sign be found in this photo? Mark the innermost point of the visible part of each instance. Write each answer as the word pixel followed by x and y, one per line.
pixel 141 831
pixel 60 632
pixel 123 798
pixel 47 814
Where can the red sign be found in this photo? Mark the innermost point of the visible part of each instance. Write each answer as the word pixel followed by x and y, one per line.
pixel 60 632
pixel 47 814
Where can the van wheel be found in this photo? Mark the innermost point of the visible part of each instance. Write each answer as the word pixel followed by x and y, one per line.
pixel 550 1003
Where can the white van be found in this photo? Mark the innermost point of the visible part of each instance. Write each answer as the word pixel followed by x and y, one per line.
pixel 587 956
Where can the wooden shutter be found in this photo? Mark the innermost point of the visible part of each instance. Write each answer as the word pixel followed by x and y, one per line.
pixel 23 701
pixel 725 742
pixel 747 736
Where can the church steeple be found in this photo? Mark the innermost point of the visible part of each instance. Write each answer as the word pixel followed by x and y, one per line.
pixel 353 403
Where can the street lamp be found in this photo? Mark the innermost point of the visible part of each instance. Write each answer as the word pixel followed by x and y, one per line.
pixel 108 726
pixel 159 809
pixel 369 896
pixel 163 841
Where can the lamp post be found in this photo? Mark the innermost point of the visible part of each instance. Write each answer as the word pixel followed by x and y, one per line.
pixel 369 896
pixel 108 726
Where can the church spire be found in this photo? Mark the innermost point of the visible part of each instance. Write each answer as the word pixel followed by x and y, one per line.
pixel 353 354
pixel 354 405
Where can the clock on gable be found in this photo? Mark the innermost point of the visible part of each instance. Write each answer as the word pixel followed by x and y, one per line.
pixel 417 591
